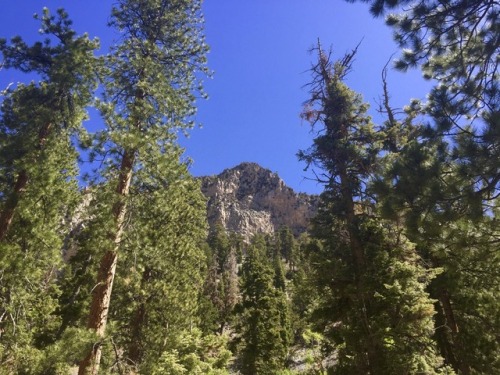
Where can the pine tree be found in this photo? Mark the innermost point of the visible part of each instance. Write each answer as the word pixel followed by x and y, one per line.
pixel 38 164
pixel 221 284
pixel 33 114
pixel 447 177
pixel 414 192
pixel 287 245
pixel 264 327
pixel 150 86
pixel 305 297
pixel 455 43
pixel 375 309
pixel 160 280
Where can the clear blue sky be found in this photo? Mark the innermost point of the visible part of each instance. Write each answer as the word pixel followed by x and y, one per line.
pixel 259 54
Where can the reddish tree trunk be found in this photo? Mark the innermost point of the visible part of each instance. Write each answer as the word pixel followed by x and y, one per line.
pixel 10 205
pixel 7 214
pixel 101 296
pixel 452 326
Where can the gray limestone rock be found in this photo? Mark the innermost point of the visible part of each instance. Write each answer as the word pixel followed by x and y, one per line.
pixel 250 199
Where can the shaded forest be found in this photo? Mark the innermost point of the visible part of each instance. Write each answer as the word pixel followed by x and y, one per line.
pixel 397 274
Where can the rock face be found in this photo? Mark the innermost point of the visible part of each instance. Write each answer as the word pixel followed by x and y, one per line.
pixel 249 199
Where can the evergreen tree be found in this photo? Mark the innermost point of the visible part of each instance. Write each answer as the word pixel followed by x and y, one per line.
pixel 221 284
pixel 160 280
pixel 446 39
pixel 150 83
pixel 34 114
pixel 220 244
pixel 375 308
pixel 264 327
pixel 447 176
pixel 304 294
pixel 454 42
pixel 38 188
pixel 286 244
pixel 413 191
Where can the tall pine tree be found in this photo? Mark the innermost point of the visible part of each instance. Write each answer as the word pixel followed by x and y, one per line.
pixel 447 176
pixel 264 325
pixel 38 187
pixel 375 309
pixel 150 87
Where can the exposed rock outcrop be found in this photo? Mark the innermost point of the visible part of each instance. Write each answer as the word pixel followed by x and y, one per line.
pixel 249 199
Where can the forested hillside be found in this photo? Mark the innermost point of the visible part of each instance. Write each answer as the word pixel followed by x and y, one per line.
pixel 114 269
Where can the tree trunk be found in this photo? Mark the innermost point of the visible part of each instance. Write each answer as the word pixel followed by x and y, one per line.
pixel 136 350
pixel 7 214
pixel 99 311
pixel 451 326
pixel 10 205
pixel 102 292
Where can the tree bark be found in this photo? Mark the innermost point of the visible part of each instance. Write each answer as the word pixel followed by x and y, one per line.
pixel 10 205
pixel 371 361
pixel 7 213
pixel 452 327
pixel 101 296
pixel 136 349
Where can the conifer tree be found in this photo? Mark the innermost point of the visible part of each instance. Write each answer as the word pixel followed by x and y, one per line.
pixel 221 284
pixel 150 87
pixel 455 42
pixel 38 187
pixel 375 309
pixel 286 245
pixel 159 282
pixel 55 103
pixel 414 190
pixel 447 176
pixel 264 326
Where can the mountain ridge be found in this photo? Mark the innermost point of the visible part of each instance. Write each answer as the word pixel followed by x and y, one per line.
pixel 249 199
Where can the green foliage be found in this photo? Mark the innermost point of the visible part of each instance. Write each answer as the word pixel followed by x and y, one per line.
pixel 445 40
pixel 455 43
pixel 161 274
pixel 264 322
pixel 373 305
pixel 156 229
pixel 191 352
pixel 37 123
pixel 388 306
pixel 285 242
pixel 409 210
pixel 442 185
pixel 471 280
pixel 221 290
pixel 54 358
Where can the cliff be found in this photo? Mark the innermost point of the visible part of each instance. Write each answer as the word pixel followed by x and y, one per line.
pixel 249 199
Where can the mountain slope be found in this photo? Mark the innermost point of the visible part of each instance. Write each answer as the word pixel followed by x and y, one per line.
pixel 249 199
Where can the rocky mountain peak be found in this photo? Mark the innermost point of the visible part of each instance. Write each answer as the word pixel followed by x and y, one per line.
pixel 250 199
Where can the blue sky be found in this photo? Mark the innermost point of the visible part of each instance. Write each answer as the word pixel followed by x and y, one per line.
pixel 259 55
